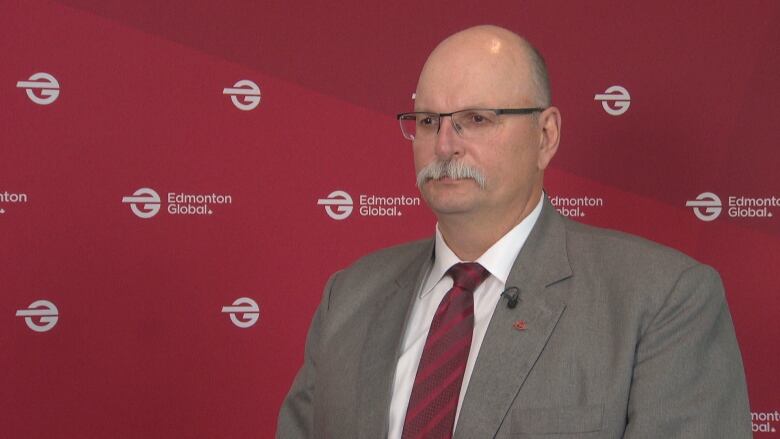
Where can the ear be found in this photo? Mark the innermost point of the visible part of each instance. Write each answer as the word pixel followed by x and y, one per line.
pixel 550 135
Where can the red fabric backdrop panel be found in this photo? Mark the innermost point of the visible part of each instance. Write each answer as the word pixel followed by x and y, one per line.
pixel 178 181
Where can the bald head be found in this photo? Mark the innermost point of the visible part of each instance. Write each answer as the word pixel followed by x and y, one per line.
pixel 486 59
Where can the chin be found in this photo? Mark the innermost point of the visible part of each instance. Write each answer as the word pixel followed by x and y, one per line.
pixel 450 210
pixel 449 204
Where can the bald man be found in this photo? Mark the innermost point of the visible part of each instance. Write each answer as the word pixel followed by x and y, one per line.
pixel 513 321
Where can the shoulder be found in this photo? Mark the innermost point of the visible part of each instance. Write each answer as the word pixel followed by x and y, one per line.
pixel 613 248
pixel 390 257
pixel 385 265
pixel 637 274
pixel 358 286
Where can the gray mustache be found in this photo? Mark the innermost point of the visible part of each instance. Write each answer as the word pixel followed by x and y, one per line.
pixel 453 169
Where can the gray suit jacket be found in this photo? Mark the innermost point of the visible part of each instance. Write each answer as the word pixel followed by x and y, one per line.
pixel 624 338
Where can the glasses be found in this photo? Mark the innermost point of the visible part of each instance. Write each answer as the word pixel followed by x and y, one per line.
pixel 471 124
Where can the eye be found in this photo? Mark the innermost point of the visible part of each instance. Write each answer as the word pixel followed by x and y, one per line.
pixel 477 118
pixel 426 121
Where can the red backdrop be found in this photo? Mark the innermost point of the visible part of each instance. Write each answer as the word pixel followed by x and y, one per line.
pixel 141 345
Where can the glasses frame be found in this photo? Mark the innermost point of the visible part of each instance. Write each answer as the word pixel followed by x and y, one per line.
pixel 497 111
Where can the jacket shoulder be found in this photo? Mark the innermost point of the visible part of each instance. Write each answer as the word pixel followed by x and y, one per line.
pixel 382 266
pixel 617 248
pixel 389 261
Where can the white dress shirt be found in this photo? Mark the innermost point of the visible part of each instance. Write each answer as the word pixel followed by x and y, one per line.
pixel 498 260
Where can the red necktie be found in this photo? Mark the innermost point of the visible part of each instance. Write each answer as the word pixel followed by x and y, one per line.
pixel 434 399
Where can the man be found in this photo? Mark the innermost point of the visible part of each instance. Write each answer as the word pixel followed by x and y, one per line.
pixel 513 321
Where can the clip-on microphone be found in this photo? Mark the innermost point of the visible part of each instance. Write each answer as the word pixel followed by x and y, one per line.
pixel 512 295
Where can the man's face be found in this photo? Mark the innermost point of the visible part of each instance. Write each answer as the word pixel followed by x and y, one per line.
pixel 456 79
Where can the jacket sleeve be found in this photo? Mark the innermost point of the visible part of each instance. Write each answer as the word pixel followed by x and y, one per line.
pixel 296 416
pixel 688 379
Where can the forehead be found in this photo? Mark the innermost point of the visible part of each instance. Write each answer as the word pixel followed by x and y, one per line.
pixel 486 72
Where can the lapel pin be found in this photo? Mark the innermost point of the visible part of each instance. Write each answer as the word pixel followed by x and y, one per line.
pixel 520 325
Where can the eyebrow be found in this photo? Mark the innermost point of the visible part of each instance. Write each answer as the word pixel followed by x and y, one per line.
pixel 468 107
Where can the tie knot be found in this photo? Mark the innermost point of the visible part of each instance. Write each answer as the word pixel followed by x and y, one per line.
pixel 468 275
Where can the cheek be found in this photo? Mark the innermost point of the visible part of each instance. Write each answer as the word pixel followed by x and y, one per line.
pixel 422 157
pixel 514 165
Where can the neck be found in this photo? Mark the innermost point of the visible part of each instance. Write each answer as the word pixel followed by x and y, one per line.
pixel 469 237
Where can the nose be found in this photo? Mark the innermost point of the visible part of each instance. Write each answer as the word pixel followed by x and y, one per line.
pixel 447 141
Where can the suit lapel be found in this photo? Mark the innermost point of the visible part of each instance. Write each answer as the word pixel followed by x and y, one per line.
pixel 383 341
pixel 507 355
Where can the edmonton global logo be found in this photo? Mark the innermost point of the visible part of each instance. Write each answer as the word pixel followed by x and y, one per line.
pixel 338 205
pixel 615 100
pixel 145 203
pixel 706 206
pixel 245 94
pixel 45 312
pixel 46 83
pixel 246 308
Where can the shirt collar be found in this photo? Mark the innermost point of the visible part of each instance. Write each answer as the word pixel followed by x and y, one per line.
pixel 498 259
